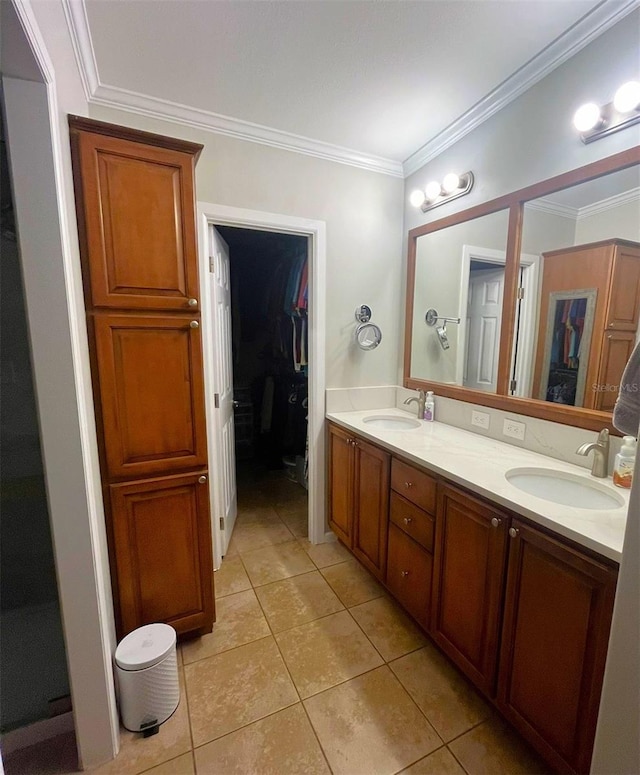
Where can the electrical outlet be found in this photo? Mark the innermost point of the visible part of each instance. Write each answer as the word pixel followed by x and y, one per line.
pixel 481 419
pixel 514 429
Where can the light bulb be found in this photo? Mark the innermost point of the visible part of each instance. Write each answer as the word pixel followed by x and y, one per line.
pixel 432 190
pixel 587 117
pixel 451 183
pixel 627 97
pixel 417 198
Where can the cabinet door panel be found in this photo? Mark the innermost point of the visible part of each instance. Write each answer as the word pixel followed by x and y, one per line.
pixel 624 303
pixel 151 387
pixel 557 618
pixel 162 541
pixel 340 485
pixel 371 506
pixel 616 351
pixel 468 582
pixel 409 570
pixel 139 223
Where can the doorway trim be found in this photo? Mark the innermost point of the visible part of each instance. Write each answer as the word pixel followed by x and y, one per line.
pixel 315 231
pixel 530 263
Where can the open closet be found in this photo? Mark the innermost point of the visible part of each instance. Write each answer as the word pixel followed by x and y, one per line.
pixel 269 304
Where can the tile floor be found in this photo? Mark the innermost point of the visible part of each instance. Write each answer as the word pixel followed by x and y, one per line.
pixel 311 669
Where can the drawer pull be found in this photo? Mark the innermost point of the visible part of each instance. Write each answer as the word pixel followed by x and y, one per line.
pixel 496 522
pixel 202 479
pixel 404 574
pixel 194 324
pixel 193 302
pixel 408 520
pixel 408 484
pixel 513 532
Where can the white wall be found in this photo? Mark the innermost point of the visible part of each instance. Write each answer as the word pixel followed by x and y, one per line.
pixel 40 161
pixel 622 222
pixel 363 213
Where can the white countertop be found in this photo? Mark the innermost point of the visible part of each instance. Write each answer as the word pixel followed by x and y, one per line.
pixel 479 464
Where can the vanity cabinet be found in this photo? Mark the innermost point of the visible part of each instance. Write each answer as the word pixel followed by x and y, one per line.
pixel 136 222
pixel 557 617
pixel 470 564
pixel 524 614
pixel 359 497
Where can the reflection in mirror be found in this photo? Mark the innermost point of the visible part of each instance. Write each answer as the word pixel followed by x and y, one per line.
pixel 460 273
pixel 582 322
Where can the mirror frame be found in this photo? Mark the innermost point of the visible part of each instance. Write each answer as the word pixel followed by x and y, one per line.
pixel 590 419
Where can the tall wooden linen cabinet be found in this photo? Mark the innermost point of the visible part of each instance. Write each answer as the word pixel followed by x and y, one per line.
pixel 136 221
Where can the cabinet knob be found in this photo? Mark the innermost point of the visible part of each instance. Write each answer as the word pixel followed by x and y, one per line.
pixel 202 479
pixel 408 520
pixel 404 574
pixel 193 302
pixel 194 324
pixel 496 522
pixel 513 532
pixel 408 484
pixel 354 443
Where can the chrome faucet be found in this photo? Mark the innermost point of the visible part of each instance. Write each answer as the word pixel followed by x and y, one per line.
pixel 600 449
pixel 420 400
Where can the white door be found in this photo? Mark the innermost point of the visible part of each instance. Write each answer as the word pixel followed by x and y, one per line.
pixel 484 315
pixel 223 478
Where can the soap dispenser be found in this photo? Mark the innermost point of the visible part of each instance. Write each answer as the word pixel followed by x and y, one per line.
pixel 625 462
pixel 429 407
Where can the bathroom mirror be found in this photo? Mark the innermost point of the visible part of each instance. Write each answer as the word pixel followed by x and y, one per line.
pixel 459 271
pixel 591 208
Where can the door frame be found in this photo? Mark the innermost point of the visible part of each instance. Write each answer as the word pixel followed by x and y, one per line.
pixel 530 263
pixel 315 231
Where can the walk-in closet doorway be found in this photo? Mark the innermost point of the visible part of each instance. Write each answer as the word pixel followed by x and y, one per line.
pixel 263 347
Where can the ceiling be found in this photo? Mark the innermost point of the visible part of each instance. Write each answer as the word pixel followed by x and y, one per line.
pixel 373 82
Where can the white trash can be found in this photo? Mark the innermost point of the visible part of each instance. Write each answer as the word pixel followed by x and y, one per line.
pixel 147 675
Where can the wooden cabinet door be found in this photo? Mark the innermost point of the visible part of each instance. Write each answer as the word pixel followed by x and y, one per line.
pixel 469 559
pixel 557 617
pixel 616 351
pixel 136 210
pixel 340 484
pixel 371 506
pixel 162 541
pixel 624 300
pixel 409 569
pixel 152 394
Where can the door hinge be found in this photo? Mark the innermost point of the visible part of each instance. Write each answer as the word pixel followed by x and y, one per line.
pixel 212 264
pixel 520 294
pixel 512 385
pixel 216 400
pixel 221 523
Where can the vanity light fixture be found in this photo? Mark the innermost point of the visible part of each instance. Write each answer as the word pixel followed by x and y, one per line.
pixel 594 122
pixel 436 193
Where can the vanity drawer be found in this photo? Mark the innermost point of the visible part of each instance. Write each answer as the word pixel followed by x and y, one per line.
pixel 413 521
pixel 414 485
pixel 409 570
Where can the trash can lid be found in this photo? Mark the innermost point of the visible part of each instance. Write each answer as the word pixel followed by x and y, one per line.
pixel 145 646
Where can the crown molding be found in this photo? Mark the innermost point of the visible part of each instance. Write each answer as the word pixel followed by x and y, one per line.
pixel 578 213
pixel 569 43
pixel 600 19
pixel 553 208
pixel 144 105
pixel 610 203
pixel 78 24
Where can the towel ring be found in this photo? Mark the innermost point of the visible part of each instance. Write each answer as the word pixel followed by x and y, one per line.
pixel 368 336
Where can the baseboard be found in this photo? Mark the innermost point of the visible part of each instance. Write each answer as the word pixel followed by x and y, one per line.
pixel 34 733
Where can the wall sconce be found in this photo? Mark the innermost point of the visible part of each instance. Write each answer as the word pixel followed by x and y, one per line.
pixel 436 194
pixel 594 122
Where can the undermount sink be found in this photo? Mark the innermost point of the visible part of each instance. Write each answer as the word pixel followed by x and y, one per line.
pixel 564 488
pixel 392 423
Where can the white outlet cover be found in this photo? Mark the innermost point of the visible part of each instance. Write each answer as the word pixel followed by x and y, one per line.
pixel 480 419
pixel 513 429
